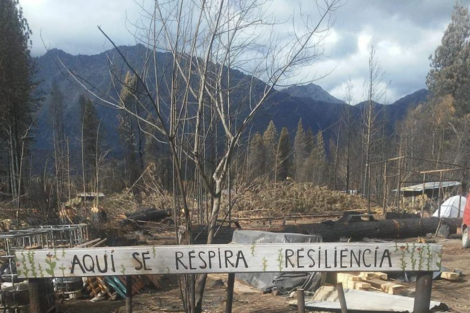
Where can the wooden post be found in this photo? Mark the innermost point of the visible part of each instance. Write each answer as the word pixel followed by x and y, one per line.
pixel 423 292
pixel 399 186
pixel 37 296
pixel 368 191
pixel 460 196
pixel 300 301
pixel 128 294
pixel 342 298
pixel 422 195
pixel 230 285
pixel 439 198
pixel 384 206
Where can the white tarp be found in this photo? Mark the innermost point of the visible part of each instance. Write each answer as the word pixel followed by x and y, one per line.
pixel 450 207
pixel 327 298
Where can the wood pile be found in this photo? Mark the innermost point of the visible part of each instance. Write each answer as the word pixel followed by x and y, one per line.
pixel 369 281
pixel 137 283
pixel 113 286
pixel 278 199
pixel 97 286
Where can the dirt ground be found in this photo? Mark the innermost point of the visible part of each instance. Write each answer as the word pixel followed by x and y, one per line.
pixel 455 294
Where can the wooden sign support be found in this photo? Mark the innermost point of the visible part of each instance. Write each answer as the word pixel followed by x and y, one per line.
pixel 230 286
pixel 235 258
pixel 128 294
pixel 300 301
pixel 423 292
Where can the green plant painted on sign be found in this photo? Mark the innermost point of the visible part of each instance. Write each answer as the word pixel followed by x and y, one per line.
pixel 62 268
pixel 412 257
pixel 24 264
pixel 123 270
pixel 252 248
pixel 429 254
pixel 63 252
pixel 420 257
pixel 265 264
pixel 41 271
pixel 52 264
pixel 154 251
pixel 280 259
pixel 55 253
pixel 402 258
pixel 32 263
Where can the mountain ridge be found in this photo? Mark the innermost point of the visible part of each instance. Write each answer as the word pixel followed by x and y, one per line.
pixel 312 91
pixel 282 107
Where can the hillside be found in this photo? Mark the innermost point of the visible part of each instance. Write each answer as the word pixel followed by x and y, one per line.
pixel 316 107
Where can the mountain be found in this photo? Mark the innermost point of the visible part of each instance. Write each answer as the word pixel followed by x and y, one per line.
pixel 285 108
pixel 313 92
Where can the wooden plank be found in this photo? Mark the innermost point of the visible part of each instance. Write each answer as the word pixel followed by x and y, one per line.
pixel 387 287
pixel 346 277
pixel 342 298
pixel 373 275
pixel 232 258
pixel 358 285
pixel 450 276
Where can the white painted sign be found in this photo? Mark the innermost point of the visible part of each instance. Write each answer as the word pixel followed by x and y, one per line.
pixel 230 258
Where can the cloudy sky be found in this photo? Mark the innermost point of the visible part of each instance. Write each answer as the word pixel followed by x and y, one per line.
pixel 404 33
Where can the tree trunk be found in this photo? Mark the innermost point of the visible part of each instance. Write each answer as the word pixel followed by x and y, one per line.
pixel 201 281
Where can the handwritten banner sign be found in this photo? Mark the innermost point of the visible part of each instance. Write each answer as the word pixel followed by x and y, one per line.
pixel 230 258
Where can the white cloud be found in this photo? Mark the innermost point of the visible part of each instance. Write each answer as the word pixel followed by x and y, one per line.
pixel 404 33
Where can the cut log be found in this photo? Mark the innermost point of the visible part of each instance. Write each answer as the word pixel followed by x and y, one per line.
pixel 385 229
pixel 98 215
pixel 146 215
pixel 332 231
pixel 397 215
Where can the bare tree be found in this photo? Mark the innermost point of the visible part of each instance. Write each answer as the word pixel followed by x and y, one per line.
pixel 376 89
pixel 195 95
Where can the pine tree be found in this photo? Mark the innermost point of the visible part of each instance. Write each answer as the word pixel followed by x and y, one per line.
pixel 315 166
pixel 270 146
pixel 90 142
pixel 257 156
pixel 56 115
pixel 450 73
pixel 320 147
pixel 283 157
pixel 309 141
pixel 16 101
pixel 300 153
pixel 130 134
